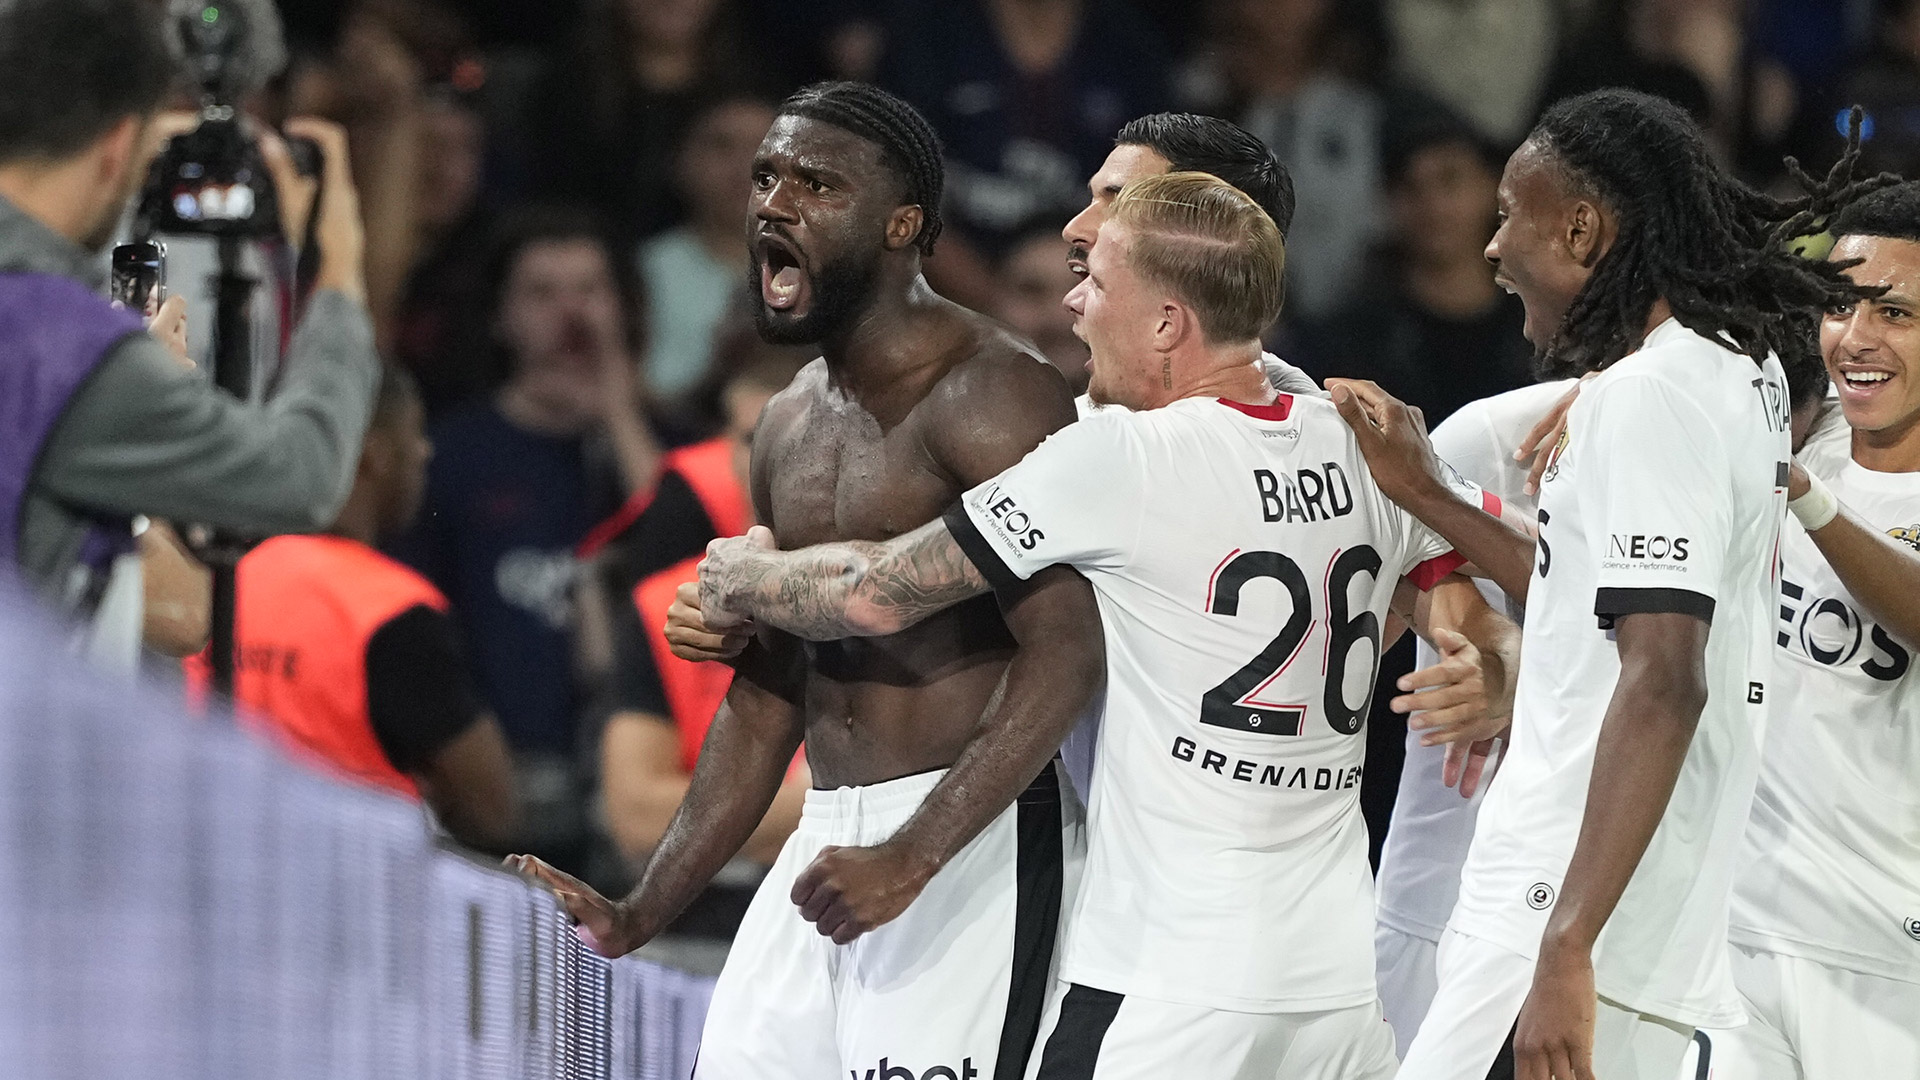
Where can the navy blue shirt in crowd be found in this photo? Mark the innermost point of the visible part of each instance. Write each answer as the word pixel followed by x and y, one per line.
pixel 1020 147
pixel 504 508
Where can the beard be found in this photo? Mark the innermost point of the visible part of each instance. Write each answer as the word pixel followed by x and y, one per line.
pixel 838 293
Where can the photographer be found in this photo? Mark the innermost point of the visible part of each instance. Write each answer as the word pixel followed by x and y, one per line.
pixel 98 420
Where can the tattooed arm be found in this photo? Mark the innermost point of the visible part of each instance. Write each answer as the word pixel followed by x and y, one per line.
pixel 830 591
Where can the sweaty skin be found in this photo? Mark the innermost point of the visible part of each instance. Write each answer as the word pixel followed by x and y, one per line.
pixel 914 401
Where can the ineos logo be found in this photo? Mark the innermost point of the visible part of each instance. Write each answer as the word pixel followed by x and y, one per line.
pixel 1831 632
pixel 1640 546
pixel 1540 897
pixel 1912 927
pixel 1014 520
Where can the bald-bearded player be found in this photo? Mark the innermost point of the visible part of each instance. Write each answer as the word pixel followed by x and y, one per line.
pixel 914 739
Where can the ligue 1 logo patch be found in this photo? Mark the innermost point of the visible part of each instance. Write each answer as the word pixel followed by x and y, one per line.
pixel 1908 535
pixel 1540 897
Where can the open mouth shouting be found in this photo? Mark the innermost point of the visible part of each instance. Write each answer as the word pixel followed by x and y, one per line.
pixel 783 280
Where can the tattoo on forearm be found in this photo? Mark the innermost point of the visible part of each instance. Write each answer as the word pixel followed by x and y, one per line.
pixel 856 588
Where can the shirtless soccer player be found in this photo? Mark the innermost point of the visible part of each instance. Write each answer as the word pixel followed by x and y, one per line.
pixel 1243 564
pixel 1593 900
pixel 915 401
pixel 1826 906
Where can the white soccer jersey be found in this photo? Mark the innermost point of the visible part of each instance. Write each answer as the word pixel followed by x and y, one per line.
pixel 1667 494
pixel 1432 825
pixel 1243 560
pixel 1830 870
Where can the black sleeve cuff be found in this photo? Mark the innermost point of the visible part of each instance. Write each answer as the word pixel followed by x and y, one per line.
pixel 978 550
pixel 1609 604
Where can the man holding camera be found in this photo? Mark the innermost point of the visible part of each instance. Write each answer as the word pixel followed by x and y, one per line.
pixel 98 420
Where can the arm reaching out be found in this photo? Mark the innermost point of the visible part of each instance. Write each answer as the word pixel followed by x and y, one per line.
pixel 1882 573
pixel 1393 436
pixel 831 591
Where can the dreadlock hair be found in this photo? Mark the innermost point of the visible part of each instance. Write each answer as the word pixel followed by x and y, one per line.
pixel 1715 249
pixel 908 145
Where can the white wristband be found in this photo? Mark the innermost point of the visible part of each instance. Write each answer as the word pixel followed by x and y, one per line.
pixel 1817 508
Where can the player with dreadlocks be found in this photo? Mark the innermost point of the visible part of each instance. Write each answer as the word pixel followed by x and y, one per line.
pixel 918 740
pixel 1635 742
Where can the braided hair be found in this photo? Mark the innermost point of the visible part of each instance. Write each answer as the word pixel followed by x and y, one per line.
pixel 908 145
pixel 1715 249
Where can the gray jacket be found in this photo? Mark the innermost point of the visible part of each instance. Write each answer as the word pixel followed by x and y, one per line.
pixel 146 436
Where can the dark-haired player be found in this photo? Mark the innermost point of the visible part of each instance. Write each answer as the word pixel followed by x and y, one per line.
pixel 1188 142
pixel 1635 748
pixel 1825 921
pixel 914 739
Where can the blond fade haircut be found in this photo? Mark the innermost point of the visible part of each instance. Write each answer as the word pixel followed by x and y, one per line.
pixel 1209 244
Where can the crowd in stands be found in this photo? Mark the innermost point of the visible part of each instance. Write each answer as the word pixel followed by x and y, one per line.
pixel 554 205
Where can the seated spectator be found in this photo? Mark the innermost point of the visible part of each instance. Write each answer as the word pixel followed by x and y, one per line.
pixel 693 274
pixel 1433 326
pixel 1026 97
pixel 663 704
pixel 352 660
pixel 520 478
pixel 1033 281
pixel 1267 64
pixel 615 104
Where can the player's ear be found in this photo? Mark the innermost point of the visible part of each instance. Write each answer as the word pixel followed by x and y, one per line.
pixel 1173 326
pixel 904 226
pixel 1587 232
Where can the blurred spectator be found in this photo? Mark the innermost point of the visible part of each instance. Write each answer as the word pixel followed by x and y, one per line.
pixel 442 333
pixel 1034 280
pixel 1486 59
pixel 693 275
pixel 616 104
pixel 518 480
pixel 696 497
pixel 1267 65
pixel 374 82
pixel 1695 54
pixel 662 704
pixel 1026 96
pixel 350 659
pixel 1432 327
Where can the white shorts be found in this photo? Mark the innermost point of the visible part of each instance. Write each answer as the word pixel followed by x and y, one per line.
pixel 1481 989
pixel 1807 1021
pixel 1100 1035
pixel 953 989
pixel 1405 965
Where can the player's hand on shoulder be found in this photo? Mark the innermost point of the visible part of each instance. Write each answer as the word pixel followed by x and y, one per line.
pixel 604 925
pixel 689 636
pixel 1545 435
pixel 1392 436
pixel 847 891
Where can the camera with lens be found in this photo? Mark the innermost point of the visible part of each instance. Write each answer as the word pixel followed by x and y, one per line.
pixel 213 181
